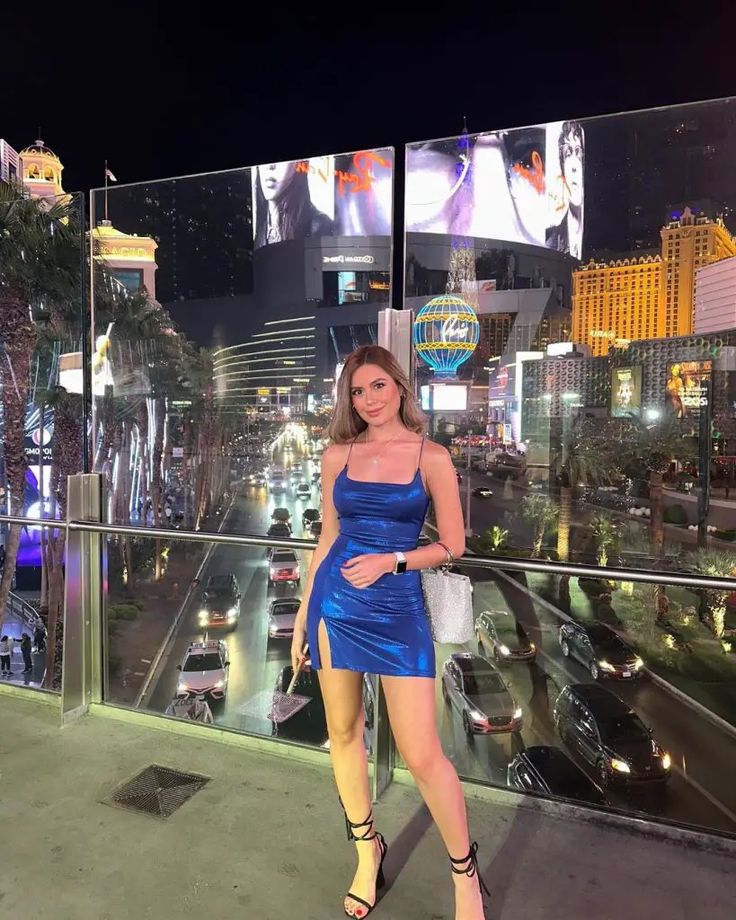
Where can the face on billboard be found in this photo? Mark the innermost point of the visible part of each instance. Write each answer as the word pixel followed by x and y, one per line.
pixel 625 391
pixel 687 387
pixel 523 186
pixel 346 195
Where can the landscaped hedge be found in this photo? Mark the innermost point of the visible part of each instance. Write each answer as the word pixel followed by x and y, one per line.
pixel 676 514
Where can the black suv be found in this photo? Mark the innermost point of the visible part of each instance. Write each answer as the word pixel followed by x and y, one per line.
pixel 602 729
pixel 600 649
pixel 549 771
pixel 221 601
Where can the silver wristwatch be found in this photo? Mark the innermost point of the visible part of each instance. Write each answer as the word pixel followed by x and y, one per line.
pixel 400 564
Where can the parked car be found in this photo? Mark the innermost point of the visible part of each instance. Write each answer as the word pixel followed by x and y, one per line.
pixel 283 566
pixel 220 601
pixel 316 529
pixel 601 650
pixel 474 688
pixel 304 490
pixel 501 635
pixel 309 724
pixel 281 616
pixel 283 515
pixel 549 771
pixel 507 466
pixel 607 734
pixel 309 516
pixel 482 492
pixel 204 671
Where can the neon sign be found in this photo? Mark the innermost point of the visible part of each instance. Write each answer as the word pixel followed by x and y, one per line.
pixel 359 181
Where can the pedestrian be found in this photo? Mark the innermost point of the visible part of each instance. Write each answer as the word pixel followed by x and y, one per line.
pixel 363 610
pixel 6 650
pixel 25 650
pixel 39 637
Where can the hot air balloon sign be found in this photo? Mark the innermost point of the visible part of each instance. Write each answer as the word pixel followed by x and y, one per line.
pixel 446 333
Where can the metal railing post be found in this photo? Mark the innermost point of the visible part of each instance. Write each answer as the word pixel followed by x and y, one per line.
pixel 384 746
pixel 81 682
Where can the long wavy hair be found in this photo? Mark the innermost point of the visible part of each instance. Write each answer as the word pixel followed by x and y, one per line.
pixel 294 207
pixel 346 424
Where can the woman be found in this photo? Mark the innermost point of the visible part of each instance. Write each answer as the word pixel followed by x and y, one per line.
pixel 357 616
pixel 284 209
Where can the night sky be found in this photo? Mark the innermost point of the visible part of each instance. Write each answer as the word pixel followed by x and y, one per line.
pixel 159 93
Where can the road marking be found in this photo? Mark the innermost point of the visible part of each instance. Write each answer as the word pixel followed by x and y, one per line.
pixel 704 792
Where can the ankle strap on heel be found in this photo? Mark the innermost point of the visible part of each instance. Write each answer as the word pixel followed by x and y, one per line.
pixel 351 827
pixel 471 869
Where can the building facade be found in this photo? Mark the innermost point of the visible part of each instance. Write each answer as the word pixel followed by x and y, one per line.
pixel 9 163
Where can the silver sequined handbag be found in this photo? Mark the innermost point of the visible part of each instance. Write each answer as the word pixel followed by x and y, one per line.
pixel 448 598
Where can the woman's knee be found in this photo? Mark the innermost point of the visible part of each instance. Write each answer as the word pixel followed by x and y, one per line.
pixel 346 732
pixel 423 761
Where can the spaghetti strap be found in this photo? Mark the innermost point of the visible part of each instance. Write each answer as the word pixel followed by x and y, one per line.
pixel 347 459
pixel 419 459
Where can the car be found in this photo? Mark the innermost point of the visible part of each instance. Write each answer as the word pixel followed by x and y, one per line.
pixel 316 529
pixel 608 735
pixel 309 516
pixel 500 635
pixel 279 529
pixel 258 480
pixel 309 724
pixel 281 616
pixel 316 476
pixel 482 492
pixel 600 650
pixel 507 466
pixel 220 601
pixel 283 566
pixel 473 687
pixel 303 490
pixel 549 771
pixel 283 515
pixel 204 671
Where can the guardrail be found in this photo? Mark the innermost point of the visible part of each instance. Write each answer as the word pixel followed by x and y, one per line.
pixel 504 563
pixel 22 611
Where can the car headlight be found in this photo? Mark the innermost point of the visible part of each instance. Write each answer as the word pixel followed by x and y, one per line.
pixel 204 615
pixel 638 664
pixel 219 684
pixel 666 761
pixel 504 649
pixel 532 647
pixel 620 765
pixel 182 687
pixel 232 613
pixel 605 665
pixel 517 713
pixel 476 715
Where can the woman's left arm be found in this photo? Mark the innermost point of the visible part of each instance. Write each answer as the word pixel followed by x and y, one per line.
pixel 439 475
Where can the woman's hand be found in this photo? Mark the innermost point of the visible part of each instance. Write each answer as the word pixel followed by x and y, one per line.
pixel 362 571
pixel 299 639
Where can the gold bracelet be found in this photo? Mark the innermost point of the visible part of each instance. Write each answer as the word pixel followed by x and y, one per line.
pixel 450 557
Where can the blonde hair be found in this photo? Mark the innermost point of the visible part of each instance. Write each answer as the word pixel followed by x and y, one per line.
pixel 346 424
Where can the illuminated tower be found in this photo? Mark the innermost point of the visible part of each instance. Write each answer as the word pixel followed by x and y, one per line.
pixel 41 171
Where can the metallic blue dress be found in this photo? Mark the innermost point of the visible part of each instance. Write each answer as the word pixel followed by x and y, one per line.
pixel 381 629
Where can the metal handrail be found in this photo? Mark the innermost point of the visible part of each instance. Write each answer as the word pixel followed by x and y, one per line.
pixel 504 563
pixel 33 522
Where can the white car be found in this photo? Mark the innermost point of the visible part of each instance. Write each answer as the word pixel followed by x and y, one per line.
pixel 474 688
pixel 281 617
pixel 303 490
pixel 204 670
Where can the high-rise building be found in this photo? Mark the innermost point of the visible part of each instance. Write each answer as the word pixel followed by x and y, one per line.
pixel 687 244
pixel 647 296
pixel 715 297
pixel 9 163
pixel 615 302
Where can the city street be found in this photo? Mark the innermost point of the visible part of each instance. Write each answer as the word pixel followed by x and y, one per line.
pixel 699 793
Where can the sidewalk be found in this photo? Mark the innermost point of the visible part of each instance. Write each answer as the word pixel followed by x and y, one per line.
pixel 265 840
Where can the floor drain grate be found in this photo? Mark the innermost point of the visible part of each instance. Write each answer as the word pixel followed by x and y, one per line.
pixel 157 791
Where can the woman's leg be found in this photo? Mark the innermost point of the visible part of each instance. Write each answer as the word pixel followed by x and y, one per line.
pixel 412 714
pixel 343 698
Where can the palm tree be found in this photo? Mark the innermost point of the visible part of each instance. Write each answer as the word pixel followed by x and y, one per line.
pixel 655 447
pixel 539 511
pixel 585 458
pixel 718 564
pixel 40 268
pixel 606 532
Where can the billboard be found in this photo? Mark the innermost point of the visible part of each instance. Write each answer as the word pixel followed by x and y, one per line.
pixel 625 391
pixel 345 195
pixel 687 387
pixel 524 186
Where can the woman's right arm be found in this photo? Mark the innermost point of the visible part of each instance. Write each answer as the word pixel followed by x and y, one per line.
pixel 332 462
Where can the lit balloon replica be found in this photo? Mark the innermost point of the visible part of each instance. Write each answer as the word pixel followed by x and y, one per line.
pixel 446 333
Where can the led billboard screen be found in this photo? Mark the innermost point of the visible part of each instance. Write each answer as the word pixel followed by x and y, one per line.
pixel 687 387
pixel 625 391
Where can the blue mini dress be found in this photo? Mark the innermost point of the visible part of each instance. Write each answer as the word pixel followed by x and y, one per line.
pixel 381 629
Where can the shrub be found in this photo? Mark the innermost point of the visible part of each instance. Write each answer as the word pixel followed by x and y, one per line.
pixel 593 586
pixel 675 514
pixel 123 611
pixel 725 534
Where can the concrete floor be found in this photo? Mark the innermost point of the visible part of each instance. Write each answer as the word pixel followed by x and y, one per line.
pixel 265 839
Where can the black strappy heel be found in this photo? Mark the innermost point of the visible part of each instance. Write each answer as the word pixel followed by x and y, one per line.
pixel 472 867
pixel 369 834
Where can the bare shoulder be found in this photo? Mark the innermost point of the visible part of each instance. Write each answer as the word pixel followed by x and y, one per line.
pixel 436 454
pixel 334 457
